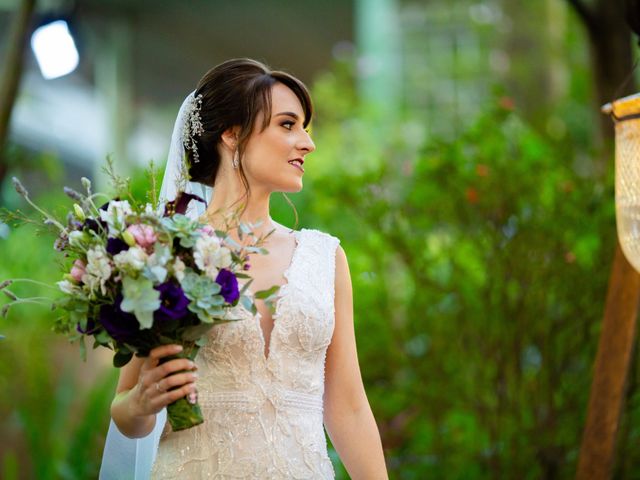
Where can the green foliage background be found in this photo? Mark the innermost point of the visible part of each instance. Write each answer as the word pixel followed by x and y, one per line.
pixel 479 265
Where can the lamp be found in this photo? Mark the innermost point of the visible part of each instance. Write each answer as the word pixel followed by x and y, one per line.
pixel 55 49
pixel 626 115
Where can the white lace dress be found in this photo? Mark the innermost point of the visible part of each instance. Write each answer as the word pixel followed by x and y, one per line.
pixel 263 416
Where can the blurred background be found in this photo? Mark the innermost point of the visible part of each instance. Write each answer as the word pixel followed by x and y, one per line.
pixel 462 160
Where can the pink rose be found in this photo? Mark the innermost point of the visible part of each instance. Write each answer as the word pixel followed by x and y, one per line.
pixel 208 230
pixel 77 271
pixel 143 234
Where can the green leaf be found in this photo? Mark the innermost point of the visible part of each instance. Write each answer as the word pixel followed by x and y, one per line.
pixel 248 304
pixel 195 332
pixel 83 349
pixel 120 359
pixel 262 294
pixel 244 228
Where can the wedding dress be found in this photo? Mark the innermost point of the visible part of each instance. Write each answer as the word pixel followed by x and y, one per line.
pixel 264 415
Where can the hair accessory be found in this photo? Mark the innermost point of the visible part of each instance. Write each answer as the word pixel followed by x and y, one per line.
pixel 193 126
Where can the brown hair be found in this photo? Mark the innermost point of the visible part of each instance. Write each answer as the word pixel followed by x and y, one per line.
pixel 234 93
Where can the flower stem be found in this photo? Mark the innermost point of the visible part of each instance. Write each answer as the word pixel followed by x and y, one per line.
pixel 34 300
pixel 49 217
pixel 33 281
pixel 91 197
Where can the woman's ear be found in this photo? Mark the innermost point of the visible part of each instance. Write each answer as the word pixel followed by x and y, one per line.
pixel 230 137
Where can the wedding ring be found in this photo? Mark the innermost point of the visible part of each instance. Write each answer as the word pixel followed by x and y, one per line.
pixel 158 386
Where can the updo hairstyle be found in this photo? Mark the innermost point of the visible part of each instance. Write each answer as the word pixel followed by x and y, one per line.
pixel 233 94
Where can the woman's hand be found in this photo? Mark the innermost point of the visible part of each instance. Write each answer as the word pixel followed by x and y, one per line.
pixel 159 384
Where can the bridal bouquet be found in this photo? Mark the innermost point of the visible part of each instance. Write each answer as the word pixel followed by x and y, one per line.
pixel 143 275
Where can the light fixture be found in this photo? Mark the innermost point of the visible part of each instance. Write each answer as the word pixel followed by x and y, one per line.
pixel 55 49
pixel 626 115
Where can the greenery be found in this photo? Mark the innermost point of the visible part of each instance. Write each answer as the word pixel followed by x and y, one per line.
pixel 480 264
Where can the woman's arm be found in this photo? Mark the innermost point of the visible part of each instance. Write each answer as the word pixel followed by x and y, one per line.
pixel 347 416
pixel 142 390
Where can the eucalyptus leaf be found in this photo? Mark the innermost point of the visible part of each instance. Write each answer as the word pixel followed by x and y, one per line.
pixel 262 294
pixel 244 228
pixel 248 304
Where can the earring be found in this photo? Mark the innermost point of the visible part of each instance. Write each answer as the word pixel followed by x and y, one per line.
pixel 236 160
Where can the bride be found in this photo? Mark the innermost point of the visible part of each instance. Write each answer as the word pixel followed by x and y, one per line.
pixel 266 383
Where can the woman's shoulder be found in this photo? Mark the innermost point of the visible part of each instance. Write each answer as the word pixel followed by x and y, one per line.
pixel 312 236
pixel 319 235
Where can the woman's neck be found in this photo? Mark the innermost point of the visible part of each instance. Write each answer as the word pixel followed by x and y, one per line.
pixel 227 203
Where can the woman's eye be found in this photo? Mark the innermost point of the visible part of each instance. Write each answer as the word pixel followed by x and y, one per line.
pixel 284 124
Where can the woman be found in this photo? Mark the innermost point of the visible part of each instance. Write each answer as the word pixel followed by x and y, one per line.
pixel 266 383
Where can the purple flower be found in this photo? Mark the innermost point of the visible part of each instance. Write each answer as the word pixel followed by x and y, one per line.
pixel 173 303
pixel 122 326
pixel 180 204
pixel 61 242
pixel 229 285
pixel 94 225
pixel 91 327
pixel 73 223
pixel 116 245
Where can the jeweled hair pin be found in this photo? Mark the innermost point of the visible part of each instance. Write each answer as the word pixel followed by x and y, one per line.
pixel 193 126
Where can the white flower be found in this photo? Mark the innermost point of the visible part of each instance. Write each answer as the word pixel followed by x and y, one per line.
pixel 115 215
pixel 210 256
pixel 133 259
pixel 69 287
pixel 178 269
pixel 223 258
pixel 156 264
pixel 98 269
pixel 75 238
pixel 149 210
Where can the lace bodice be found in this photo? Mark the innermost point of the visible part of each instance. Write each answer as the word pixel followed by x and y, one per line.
pixel 263 415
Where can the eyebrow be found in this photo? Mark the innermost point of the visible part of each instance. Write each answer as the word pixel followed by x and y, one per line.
pixel 291 114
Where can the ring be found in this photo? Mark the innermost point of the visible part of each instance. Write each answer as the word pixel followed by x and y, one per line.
pixel 158 386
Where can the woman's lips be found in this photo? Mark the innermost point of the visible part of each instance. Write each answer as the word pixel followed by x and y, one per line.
pixel 297 163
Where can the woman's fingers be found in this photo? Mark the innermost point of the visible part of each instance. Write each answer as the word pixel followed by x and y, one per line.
pixel 164 399
pixel 166 369
pixel 177 380
pixel 152 371
pixel 162 384
pixel 162 351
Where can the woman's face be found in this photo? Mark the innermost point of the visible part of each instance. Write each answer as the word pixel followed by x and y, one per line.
pixel 273 158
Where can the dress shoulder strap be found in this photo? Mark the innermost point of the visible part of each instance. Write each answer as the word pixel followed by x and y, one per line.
pixel 314 268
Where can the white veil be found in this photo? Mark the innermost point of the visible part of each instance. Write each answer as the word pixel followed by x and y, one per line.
pixel 132 458
pixel 175 171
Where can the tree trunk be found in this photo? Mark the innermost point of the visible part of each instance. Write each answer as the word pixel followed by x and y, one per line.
pixel 13 65
pixel 610 45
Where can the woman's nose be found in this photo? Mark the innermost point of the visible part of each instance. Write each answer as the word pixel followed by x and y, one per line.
pixel 306 143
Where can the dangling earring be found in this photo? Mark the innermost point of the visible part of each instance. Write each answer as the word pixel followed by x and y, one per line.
pixel 236 160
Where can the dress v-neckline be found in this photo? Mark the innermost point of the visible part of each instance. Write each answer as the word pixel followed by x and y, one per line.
pixel 276 313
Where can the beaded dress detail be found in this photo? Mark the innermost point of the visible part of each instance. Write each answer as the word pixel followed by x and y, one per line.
pixel 264 414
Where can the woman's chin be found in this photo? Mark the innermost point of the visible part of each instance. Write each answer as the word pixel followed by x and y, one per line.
pixel 291 187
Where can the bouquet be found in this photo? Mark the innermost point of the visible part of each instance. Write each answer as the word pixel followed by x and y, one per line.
pixel 142 275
